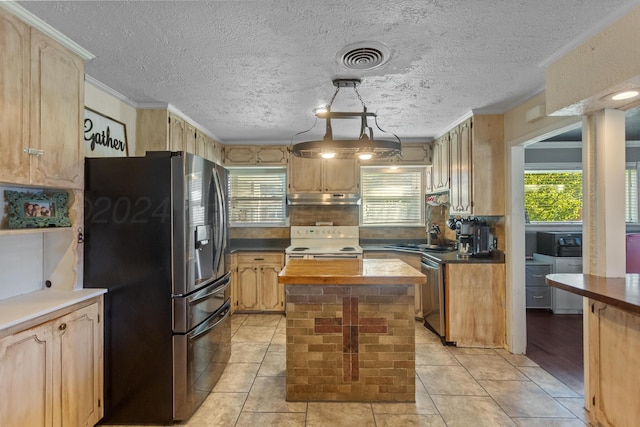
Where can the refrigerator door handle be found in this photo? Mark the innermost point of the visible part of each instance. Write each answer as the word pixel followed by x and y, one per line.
pixel 220 226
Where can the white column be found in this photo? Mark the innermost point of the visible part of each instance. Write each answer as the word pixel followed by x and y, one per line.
pixel 603 160
pixel 516 325
pixel 603 226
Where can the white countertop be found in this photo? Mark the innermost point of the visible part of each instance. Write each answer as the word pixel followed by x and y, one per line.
pixel 22 308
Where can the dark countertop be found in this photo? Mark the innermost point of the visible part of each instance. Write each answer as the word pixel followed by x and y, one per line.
pixel 621 292
pixel 442 257
pixel 259 245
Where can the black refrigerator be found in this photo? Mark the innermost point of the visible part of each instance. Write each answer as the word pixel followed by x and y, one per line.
pixel 155 236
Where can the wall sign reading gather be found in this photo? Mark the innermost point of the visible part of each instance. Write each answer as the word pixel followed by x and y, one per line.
pixel 103 136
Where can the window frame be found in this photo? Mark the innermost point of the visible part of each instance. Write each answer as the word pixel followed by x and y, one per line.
pixel 258 171
pixel 395 169
pixel 572 167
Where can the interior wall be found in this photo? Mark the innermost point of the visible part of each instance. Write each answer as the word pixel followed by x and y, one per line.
pixel 110 106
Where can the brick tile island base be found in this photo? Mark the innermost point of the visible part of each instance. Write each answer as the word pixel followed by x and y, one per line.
pixel 350 330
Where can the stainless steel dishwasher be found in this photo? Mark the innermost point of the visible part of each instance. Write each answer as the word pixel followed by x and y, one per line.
pixel 433 296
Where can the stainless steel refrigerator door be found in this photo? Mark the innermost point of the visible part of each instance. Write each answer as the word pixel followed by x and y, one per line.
pixel 199 224
pixel 199 359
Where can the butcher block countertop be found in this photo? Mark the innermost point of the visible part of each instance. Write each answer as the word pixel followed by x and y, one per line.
pixel 621 292
pixel 350 272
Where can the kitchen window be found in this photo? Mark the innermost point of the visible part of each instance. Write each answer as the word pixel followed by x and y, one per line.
pixel 556 195
pixel 257 197
pixel 392 196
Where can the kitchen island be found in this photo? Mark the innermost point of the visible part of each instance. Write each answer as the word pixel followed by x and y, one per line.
pixel 350 330
pixel 613 342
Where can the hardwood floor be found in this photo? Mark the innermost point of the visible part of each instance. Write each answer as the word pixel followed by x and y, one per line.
pixel 554 341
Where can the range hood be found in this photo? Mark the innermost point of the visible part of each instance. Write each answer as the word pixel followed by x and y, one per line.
pixel 323 199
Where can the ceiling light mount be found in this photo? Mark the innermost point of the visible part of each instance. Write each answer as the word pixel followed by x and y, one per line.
pixel 365 147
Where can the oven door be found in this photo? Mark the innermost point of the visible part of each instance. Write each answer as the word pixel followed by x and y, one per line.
pixel 199 357
pixel 433 297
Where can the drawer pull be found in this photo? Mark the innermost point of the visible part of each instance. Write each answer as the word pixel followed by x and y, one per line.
pixel 258 259
pixel 538 275
pixel 538 296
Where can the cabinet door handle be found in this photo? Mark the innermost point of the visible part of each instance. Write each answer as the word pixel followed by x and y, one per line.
pixel 33 151
pixel 62 327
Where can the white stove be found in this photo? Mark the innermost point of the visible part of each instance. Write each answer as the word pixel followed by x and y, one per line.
pixel 324 242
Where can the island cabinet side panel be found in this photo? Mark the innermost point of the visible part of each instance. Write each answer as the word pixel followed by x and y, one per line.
pixel 614 369
pixel 350 343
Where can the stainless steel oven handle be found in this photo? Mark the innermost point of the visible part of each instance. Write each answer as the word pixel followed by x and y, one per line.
pixel 197 298
pixel 200 332
pixel 430 266
pixel 329 256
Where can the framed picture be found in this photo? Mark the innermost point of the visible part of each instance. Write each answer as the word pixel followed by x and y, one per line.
pixel 104 136
pixel 37 210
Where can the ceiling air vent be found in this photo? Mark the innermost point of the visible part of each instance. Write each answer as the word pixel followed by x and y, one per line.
pixel 364 55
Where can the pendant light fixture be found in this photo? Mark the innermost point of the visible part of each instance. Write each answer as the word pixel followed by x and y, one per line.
pixel 364 147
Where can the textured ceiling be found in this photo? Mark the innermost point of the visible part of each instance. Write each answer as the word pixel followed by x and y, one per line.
pixel 252 71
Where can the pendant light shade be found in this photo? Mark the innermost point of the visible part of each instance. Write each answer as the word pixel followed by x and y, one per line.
pixel 364 147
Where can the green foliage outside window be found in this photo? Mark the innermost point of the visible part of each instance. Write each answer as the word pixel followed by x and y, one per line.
pixel 553 196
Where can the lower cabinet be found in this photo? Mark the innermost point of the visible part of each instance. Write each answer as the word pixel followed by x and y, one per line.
pixel 538 293
pixel 51 374
pixel 414 261
pixel 257 282
pixel 475 305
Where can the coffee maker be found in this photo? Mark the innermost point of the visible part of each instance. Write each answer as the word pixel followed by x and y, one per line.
pixel 465 240
pixel 473 236
pixel 482 244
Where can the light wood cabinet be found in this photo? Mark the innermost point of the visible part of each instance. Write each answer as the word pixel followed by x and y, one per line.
pixel 255 155
pixel 208 148
pixel 323 175
pixel 42 106
pixel 475 305
pixel 469 160
pixel 460 169
pixel 162 130
pixel 440 164
pixel 257 281
pixel 182 135
pixel 52 373
pixel 428 179
pixel 414 261
pixel 413 153
pixel 614 370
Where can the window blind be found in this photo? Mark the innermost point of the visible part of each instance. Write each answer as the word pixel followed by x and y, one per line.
pixel 392 197
pixel 257 197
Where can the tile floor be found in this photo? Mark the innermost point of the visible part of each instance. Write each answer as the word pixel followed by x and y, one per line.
pixel 455 387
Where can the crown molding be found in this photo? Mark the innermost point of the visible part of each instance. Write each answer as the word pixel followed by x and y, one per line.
pixel 29 18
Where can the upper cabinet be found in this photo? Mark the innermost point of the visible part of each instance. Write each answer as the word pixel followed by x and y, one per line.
pixel 42 106
pixel 161 130
pixel 460 168
pixel 412 154
pixel 440 166
pixel 255 155
pixel 469 160
pixel 323 175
